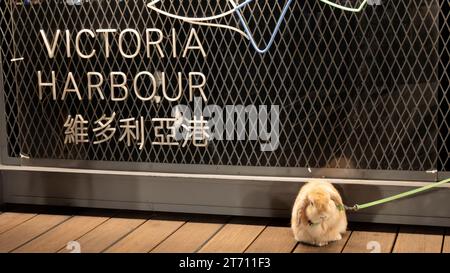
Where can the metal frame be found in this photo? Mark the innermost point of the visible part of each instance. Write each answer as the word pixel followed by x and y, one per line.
pixel 234 170
pixel 214 177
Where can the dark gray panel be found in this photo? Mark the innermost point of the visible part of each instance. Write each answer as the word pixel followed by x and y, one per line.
pixel 268 198
pixel 1 188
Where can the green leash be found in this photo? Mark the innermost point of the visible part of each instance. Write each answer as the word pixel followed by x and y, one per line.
pixel 395 197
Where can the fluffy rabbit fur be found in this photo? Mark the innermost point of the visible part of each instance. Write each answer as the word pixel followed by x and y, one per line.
pixel 317 216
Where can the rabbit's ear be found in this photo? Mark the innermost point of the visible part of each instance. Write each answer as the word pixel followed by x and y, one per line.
pixel 336 198
pixel 297 221
pixel 302 217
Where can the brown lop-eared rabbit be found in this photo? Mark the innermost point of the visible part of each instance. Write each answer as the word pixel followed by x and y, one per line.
pixel 318 215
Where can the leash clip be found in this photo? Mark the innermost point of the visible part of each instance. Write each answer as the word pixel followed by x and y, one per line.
pixel 354 208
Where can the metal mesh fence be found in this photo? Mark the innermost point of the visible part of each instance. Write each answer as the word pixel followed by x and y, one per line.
pixel 362 90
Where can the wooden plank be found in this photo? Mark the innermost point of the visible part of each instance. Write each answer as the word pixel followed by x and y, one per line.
pixel 419 240
pixel 374 238
pixel 8 220
pixel 109 232
pixel 147 236
pixel 334 247
pixel 191 236
pixel 29 230
pixel 58 237
pixel 446 246
pixel 236 236
pixel 274 239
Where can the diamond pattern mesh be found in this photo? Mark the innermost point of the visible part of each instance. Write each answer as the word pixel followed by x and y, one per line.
pixel 356 91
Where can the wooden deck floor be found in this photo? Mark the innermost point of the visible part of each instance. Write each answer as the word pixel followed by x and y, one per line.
pixel 50 230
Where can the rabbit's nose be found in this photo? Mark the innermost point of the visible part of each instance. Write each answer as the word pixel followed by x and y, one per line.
pixel 323 217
